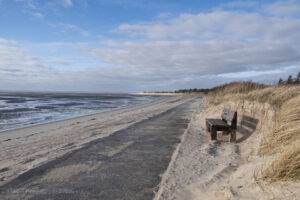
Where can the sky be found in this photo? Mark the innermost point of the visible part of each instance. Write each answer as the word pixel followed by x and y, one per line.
pixel 145 45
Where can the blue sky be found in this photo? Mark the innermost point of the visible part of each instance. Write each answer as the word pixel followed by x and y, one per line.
pixel 40 21
pixel 130 46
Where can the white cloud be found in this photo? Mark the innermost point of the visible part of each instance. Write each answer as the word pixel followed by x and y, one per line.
pixel 284 8
pixel 208 43
pixel 21 69
pixel 66 28
pixel 16 63
pixel 31 7
pixel 37 15
pixel 250 74
pixel 67 3
pixel 214 25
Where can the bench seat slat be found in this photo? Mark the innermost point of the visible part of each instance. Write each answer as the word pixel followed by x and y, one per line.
pixel 217 122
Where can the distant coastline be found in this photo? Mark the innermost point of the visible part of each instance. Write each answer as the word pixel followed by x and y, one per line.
pixel 157 93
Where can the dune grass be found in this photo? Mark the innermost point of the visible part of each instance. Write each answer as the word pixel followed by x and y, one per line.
pixel 283 140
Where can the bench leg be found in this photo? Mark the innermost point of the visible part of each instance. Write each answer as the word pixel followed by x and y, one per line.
pixel 213 133
pixel 207 127
pixel 232 136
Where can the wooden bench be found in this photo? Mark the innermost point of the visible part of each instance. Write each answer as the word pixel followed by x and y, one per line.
pixel 227 123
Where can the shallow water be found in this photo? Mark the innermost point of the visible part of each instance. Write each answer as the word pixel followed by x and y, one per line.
pixel 23 109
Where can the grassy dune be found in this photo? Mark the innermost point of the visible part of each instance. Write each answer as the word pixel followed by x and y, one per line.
pixel 281 138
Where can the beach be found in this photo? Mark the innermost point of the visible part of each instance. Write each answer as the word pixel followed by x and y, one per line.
pixel 158 150
pixel 26 148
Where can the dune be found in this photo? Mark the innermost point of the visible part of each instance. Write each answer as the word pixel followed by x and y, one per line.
pixel 264 162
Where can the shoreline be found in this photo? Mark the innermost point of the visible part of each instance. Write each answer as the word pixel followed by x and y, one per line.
pixel 84 115
pixel 116 158
pixel 26 148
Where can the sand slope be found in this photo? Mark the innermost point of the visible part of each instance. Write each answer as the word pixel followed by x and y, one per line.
pixel 203 169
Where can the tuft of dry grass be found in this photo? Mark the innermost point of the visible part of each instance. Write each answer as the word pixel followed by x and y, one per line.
pixel 234 90
pixel 238 87
pixel 274 95
pixel 286 166
pixel 283 140
pixel 286 130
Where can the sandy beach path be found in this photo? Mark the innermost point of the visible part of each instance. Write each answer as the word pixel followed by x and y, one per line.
pixel 124 165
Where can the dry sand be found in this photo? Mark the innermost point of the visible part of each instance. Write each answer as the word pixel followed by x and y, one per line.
pixel 204 169
pixel 25 148
pixel 199 169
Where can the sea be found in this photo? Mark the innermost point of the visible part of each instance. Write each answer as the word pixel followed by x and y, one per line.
pixel 25 109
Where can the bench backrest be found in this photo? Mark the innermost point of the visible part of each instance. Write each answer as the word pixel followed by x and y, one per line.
pixel 230 117
pixel 249 122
